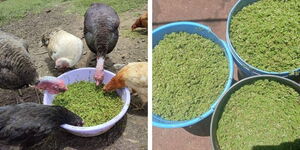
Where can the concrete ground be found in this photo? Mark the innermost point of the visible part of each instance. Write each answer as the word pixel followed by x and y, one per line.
pixel 212 13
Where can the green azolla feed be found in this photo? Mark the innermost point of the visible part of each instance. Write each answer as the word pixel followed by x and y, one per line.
pixel 89 102
pixel 266 34
pixel 261 115
pixel 189 73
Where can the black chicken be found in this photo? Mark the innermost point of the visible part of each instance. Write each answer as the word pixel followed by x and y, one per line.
pixel 28 123
pixel 101 33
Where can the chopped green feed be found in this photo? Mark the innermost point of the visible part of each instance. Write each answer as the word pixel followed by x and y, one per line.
pixel 266 34
pixel 261 115
pixel 189 74
pixel 89 102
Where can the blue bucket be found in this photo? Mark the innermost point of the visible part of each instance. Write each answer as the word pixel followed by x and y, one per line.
pixel 192 28
pixel 221 107
pixel 246 68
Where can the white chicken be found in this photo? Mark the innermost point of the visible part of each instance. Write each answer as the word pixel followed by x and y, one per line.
pixel 64 48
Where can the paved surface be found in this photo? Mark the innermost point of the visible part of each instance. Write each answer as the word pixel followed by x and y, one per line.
pixel 212 13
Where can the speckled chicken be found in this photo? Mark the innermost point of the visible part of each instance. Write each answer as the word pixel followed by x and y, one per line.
pixel 135 76
pixel 63 47
pixel 17 69
pixel 141 22
pixel 28 123
pixel 101 34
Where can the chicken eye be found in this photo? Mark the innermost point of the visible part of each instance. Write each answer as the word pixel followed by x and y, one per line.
pixel 55 87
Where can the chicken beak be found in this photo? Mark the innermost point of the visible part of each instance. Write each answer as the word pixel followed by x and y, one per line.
pixel 97 83
pixel 104 89
pixel 80 124
pixel 63 89
pixel 132 27
pixel 107 88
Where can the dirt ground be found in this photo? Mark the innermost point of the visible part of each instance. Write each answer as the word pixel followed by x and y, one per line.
pixel 131 131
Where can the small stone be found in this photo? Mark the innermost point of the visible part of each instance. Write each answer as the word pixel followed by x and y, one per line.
pixel 85 52
pixel 123 57
pixel 132 141
pixel 118 66
pixel 139 60
pixel 143 40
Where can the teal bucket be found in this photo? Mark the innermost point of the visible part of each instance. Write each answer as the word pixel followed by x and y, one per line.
pixel 204 31
pixel 247 69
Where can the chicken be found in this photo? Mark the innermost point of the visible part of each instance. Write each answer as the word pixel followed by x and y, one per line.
pixel 135 76
pixel 17 70
pixel 64 48
pixel 101 34
pixel 28 123
pixel 142 22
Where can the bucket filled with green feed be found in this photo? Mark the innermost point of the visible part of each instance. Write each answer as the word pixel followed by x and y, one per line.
pixel 264 36
pixel 99 110
pixel 191 69
pixel 258 113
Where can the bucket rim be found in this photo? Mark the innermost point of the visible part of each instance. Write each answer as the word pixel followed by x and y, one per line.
pixel 237 56
pixel 107 124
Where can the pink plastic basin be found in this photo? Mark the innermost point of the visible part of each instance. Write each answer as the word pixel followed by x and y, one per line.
pixel 86 74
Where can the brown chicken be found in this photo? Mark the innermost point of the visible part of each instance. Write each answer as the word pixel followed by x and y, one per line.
pixel 135 76
pixel 142 22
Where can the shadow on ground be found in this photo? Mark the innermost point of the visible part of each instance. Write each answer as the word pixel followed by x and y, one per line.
pixel 201 128
pixel 61 139
pixel 283 146
pixel 141 31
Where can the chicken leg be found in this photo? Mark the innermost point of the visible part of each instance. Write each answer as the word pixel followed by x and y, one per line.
pixel 20 92
pixel 37 95
pixel 142 105
pixel 19 96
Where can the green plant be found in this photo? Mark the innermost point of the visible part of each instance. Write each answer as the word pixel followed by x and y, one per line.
pixel 80 6
pixel 16 9
pixel 261 113
pixel 90 102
